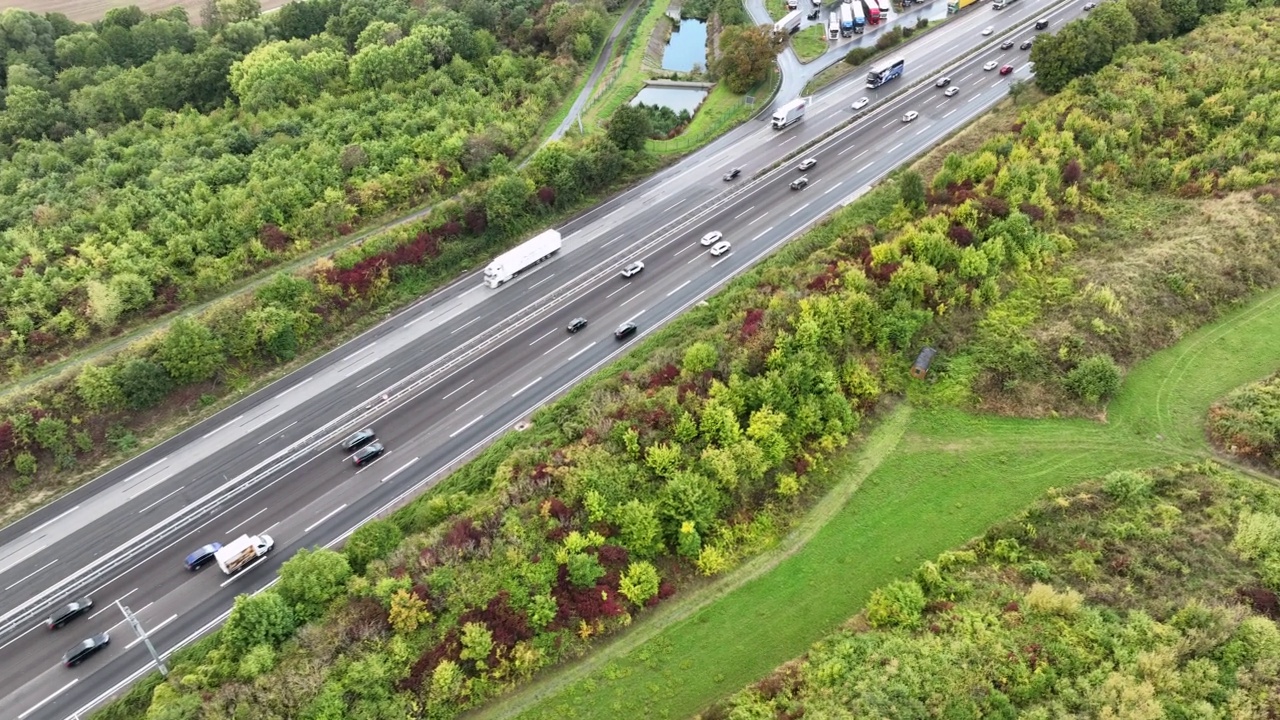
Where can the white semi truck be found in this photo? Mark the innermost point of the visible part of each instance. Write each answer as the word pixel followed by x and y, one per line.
pixel 789 24
pixel 521 258
pixel 833 26
pixel 239 553
pixel 789 113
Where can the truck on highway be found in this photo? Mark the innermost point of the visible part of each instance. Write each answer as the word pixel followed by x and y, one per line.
pixel 871 10
pixel 790 23
pixel 884 73
pixel 239 553
pixel 846 19
pixel 521 258
pixel 833 26
pixel 788 114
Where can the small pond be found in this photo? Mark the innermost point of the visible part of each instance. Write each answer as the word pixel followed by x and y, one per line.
pixel 676 98
pixel 687 47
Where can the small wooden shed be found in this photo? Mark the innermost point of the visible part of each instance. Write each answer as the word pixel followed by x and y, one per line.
pixel 920 367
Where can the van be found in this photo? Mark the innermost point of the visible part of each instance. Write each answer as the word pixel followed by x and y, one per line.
pixel 1042 23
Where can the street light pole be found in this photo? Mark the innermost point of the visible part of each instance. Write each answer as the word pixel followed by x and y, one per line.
pixel 142 634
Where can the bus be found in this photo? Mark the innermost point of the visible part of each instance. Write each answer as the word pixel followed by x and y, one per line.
pixel 883 74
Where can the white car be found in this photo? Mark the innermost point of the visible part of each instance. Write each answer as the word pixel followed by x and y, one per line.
pixel 988 30
pixel 711 237
pixel 911 115
pixel 632 269
pixel 720 248
pixel 951 91
pixel 807 163
pixel 991 65
pixel 860 103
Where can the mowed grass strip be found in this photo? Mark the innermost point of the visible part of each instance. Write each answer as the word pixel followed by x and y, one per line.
pixel 949 477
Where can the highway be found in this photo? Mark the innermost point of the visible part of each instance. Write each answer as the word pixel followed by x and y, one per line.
pixel 442 378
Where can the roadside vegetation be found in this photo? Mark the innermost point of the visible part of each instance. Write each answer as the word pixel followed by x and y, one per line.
pixel 810 43
pixel 1246 423
pixel 1143 594
pixel 702 448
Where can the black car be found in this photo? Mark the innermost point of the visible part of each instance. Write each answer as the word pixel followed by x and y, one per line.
pixel 203 556
pixel 814 13
pixel 732 174
pixel 625 330
pixel 1025 44
pixel 84 649
pixel 68 612
pixel 1006 44
pixel 359 439
pixel 368 453
pixel 576 324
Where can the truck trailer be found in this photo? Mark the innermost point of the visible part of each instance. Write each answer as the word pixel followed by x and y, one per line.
pixel 789 24
pixel 871 10
pixel 788 114
pixel 241 552
pixel 521 258
pixel 833 26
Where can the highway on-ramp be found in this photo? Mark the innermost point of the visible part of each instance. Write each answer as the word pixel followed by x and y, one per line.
pixel 442 378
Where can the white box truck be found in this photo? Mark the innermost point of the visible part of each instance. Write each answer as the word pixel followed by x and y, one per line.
pixel 239 553
pixel 521 257
pixel 789 23
pixel 789 113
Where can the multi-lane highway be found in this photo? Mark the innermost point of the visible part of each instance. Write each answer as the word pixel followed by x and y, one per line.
pixel 444 377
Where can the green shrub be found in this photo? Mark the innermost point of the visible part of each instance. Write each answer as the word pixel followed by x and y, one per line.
pixel 1095 379
pixel 1127 485
pixel 897 604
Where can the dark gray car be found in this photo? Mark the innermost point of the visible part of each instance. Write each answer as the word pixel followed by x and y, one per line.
pixel 84 649
pixel 358 439
pixel 68 612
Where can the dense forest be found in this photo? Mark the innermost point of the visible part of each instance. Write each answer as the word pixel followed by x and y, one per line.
pixel 700 449
pixel 146 163
pixel 1142 595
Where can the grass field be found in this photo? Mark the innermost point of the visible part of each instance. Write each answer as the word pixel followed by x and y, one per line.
pixel 924 481
pixel 810 43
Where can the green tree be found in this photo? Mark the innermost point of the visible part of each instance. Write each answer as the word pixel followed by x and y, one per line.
pixel 584 569
pixel 29 114
pixel 408 612
pixel 1095 379
pixel 96 387
pixel 911 190
pixel 638 529
pixel 639 583
pixel 370 541
pixel 311 579
pixel 746 56
pixel 689 497
pixel 258 661
pixel 699 357
pixel 143 383
pixel 897 604
pixel 259 619
pixel 629 127
pixel 190 352
pixel 507 201
pixel 664 459
pixel 477 644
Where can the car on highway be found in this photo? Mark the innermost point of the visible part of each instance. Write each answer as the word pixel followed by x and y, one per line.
pixel 632 269
pixel 807 163
pixel 202 557
pixel 988 30
pixel 942 81
pixel 1026 44
pixel 1090 5
pixel 84 649
pixel 711 237
pixel 1006 44
pixel 910 116
pixel 951 91
pixel 991 65
pixel 358 439
pixel 720 248
pixel 576 324
pixel 732 174
pixel 68 612
pixel 625 330
pixel 368 454
pixel 1006 69
pixel 800 183
pixel 860 103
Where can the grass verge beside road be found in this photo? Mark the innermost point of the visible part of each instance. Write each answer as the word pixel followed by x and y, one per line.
pixel 810 43
pixel 949 477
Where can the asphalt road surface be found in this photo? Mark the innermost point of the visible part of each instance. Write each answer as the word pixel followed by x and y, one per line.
pixel 444 377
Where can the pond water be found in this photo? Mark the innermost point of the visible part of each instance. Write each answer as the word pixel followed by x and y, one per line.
pixel 687 47
pixel 676 98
